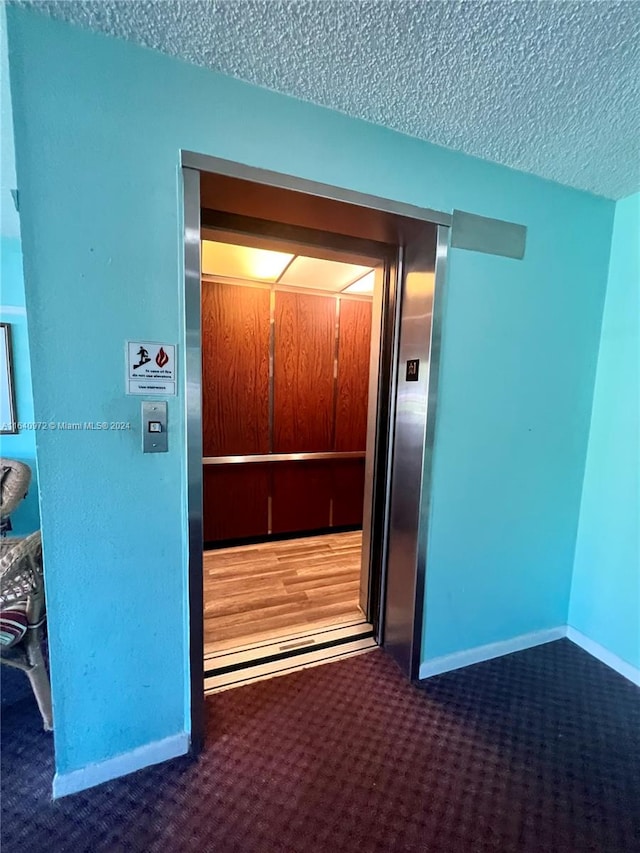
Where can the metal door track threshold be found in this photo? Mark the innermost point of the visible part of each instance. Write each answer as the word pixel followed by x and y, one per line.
pixel 214 658
pixel 252 663
pixel 217 683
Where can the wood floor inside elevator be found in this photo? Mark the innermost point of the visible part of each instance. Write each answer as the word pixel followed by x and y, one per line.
pixel 259 592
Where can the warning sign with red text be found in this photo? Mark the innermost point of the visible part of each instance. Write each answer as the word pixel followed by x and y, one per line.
pixel 151 368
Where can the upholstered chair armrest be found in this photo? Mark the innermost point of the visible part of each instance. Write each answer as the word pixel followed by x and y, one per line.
pixel 21 576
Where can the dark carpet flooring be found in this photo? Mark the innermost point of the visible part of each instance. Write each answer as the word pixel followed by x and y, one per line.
pixel 537 751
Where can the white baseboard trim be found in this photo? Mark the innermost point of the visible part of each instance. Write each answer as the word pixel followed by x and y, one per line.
pixel 121 765
pixel 604 655
pixel 457 660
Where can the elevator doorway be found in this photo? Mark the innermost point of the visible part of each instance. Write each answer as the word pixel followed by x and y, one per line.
pixel 290 370
pixel 406 248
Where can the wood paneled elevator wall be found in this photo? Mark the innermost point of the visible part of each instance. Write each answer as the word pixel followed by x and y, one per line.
pixel 313 399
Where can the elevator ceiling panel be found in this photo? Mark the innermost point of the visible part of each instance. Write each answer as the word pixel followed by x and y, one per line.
pixel 363 285
pixel 319 274
pixel 246 264
pixel 230 261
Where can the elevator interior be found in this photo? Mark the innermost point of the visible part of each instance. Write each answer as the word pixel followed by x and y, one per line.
pixel 286 357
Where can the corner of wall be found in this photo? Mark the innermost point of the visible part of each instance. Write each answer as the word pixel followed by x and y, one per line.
pixel 604 602
pixel 591 416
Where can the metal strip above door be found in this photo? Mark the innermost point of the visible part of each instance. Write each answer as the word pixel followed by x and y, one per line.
pixel 491 236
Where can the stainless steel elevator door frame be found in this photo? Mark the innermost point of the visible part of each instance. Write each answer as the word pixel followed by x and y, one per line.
pixel 421 272
pixel 404 225
pixel 192 377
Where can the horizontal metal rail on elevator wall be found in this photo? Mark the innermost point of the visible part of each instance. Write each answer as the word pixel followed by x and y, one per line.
pixel 283 457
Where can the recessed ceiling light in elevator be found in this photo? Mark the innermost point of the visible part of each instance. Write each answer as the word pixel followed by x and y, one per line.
pixel 228 260
pixel 231 261
pixel 321 274
pixel 362 285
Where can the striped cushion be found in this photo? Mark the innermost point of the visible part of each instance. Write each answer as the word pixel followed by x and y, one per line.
pixel 13 627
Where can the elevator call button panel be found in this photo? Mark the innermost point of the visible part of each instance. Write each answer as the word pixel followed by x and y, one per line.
pixel 154 427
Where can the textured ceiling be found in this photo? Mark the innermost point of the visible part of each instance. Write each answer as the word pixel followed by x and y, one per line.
pixel 551 88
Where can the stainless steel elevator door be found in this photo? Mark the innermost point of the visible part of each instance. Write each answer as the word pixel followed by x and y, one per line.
pixel 411 424
pixel 368 599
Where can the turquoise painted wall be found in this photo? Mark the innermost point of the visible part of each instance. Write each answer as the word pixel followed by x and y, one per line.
pixel 21 446
pixel 99 126
pixel 9 219
pixel 605 594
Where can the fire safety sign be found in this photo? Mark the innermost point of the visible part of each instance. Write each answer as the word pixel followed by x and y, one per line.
pixel 151 368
